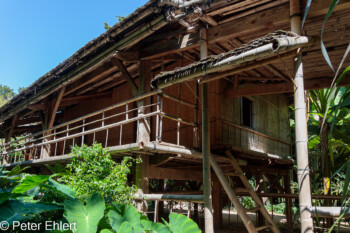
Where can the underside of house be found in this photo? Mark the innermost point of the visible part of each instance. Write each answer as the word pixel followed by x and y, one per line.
pixel 175 79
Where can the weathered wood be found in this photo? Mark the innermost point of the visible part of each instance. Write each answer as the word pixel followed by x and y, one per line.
pixel 126 74
pixel 28 120
pixel 185 42
pixel 128 56
pixel 55 108
pixel 175 174
pixel 288 201
pixel 11 130
pixel 100 72
pixel 68 101
pixel 217 203
pixel 267 89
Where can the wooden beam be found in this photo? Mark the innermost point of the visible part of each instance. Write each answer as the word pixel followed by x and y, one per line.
pixel 68 101
pixel 85 98
pixel 128 56
pixel 267 89
pixel 268 20
pixel 175 174
pixel 28 121
pixel 264 89
pixel 118 63
pixel 95 75
pixel 37 107
pixel 185 42
pixel 55 108
pixel 320 7
pixel 33 128
pixel 13 123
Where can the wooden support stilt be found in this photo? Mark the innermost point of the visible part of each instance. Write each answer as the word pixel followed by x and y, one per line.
pixel 301 137
pixel 217 202
pixel 288 201
pixel 260 181
pixel 143 134
pixel 208 210
pixel 6 159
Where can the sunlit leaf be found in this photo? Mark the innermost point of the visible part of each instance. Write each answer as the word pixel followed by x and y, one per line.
pixel 30 182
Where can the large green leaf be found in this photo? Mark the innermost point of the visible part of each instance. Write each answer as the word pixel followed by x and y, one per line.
pixel 4 197
pixel 323 47
pixel 154 227
pixel 129 215
pixel 16 170
pixel 66 190
pixel 86 217
pixel 14 210
pixel 30 182
pixel 106 231
pixel 181 224
pixel 57 169
pixel 307 8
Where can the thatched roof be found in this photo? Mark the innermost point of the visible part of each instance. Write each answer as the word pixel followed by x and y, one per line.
pixel 174 76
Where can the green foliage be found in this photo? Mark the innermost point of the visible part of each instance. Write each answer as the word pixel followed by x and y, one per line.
pixel 126 219
pixel 30 182
pixel 86 216
pixel 39 198
pixel 6 93
pixel 179 223
pixel 94 171
pixel 107 26
pixel 15 210
pixel 20 89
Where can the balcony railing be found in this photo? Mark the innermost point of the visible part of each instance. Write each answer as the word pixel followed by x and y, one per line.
pixel 112 126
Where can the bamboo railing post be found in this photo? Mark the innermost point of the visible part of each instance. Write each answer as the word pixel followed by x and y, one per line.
pixel 301 137
pixel 208 209
pixel 157 119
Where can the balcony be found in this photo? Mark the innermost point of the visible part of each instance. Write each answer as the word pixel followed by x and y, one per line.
pixel 138 124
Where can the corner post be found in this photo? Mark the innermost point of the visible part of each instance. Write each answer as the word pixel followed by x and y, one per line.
pixel 143 135
pixel 208 210
pixel 301 137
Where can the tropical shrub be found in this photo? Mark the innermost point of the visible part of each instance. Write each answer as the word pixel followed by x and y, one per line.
pixel 92 170
pixel 26 198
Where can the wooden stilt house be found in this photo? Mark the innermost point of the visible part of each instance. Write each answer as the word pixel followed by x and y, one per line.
pixel 181 83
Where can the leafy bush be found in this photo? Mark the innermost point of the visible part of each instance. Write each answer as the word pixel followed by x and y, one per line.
pixel 39 198
pixel 93 171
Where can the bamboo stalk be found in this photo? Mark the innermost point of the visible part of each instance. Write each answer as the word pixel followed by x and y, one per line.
pixel 170 197
pixel 301 138
pixel 208 209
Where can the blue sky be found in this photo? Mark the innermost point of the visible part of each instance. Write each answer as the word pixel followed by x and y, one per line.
pixel 37 35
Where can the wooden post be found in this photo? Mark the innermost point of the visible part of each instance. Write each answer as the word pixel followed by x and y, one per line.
pixel 6 159
pixel 208 210
pixel 217 202
pixel 301 137
pixel 260 189
pixel 288 202
pixel 161 203
pixel 50 119
pixel 143 135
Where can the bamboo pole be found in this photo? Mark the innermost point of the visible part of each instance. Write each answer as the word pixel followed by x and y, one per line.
pixel 301 139
pixel 208 209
